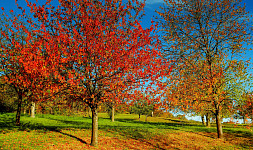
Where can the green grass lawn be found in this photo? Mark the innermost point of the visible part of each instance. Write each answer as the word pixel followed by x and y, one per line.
pixel 69 132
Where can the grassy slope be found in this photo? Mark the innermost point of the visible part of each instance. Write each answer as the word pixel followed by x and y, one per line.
pixel 62 132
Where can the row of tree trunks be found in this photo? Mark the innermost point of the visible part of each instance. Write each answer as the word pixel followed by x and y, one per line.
pixel 18 114
pixel 113 114
pixel 207 121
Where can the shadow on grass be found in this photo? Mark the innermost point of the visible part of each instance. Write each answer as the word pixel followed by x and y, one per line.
pixel 137 133
pixel 37 126
pixel 7 121
pixel 72 124
pixel 130 128
pixel 134 132
pixel 167 125
pixel 238 133
pixel 72 136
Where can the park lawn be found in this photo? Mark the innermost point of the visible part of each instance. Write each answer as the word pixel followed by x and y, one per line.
pixel 69 132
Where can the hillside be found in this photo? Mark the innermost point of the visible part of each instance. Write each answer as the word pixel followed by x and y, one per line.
pixel 64 132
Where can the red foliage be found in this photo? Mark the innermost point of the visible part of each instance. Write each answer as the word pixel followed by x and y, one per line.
pixel 98 52
pixel 94 51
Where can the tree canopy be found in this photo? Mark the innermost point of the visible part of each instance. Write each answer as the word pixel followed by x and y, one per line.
pixel 205 39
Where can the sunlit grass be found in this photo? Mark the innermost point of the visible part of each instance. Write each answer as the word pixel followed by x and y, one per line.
pixel 73 132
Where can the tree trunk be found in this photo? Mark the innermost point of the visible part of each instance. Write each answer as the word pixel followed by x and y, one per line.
pixel 42 110
pixel 19 109
pixel 152 114
pixel 146 118
pixel 218 124
pixel 89 112
pixel 113 109
pixel 208 124
pixel 33 110
pixel 252 116
pixel 94 135
pixel 139 117
pixel 24 110
pixel 29 111
pixel 51 111
pixel 203 119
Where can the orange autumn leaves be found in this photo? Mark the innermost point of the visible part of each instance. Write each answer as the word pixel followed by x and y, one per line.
pixel 94 51
pixel 194 91
pixel 94 48
pixel 205 38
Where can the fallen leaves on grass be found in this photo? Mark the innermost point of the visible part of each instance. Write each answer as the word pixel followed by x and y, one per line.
pixel 69 139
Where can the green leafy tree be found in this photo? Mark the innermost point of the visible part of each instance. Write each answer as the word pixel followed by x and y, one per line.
pixel 142 107
pixel 244 108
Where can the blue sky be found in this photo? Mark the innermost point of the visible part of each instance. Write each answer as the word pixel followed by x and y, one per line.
pixel 151 6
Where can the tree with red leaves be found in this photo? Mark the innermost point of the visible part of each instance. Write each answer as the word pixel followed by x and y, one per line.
pixel 20 66
pixel 94 51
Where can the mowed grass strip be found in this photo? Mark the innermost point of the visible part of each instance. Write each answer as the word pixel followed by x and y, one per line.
pixel 69 132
